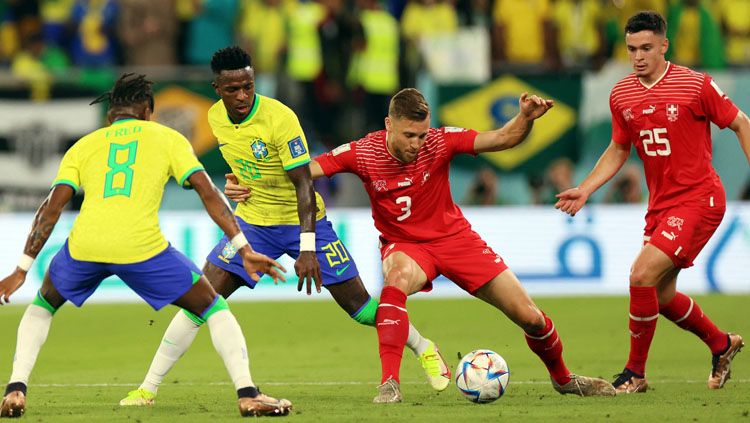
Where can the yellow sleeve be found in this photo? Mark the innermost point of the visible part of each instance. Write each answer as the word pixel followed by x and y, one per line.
pixel 182 161
pixel 68 173
pixel 290 141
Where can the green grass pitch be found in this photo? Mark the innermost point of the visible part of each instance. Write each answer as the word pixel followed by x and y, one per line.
pixel 327 365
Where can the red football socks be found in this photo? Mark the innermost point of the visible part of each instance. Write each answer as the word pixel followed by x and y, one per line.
pixel 686 313
pixel 644 310
pixel 548 346
pixel 392 323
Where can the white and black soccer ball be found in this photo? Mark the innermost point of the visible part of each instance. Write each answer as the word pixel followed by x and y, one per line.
pixel 482 376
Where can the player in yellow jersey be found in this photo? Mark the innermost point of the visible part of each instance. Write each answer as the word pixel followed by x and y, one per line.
pixel 123 168
pixel 261 139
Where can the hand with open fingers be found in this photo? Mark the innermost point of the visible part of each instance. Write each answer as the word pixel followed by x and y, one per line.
pixel 308 271
pixel 256 262
pixel 571 200
pixel 10 284
pixel 533 106
pixel 234 191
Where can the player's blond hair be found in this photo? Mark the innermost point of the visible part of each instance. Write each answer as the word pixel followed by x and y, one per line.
pixel 409 104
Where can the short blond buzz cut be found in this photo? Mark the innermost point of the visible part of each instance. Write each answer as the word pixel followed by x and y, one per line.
pixel 409 104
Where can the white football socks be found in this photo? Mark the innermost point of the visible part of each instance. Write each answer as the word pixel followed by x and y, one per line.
pixel 32 333
pixel 230 344
pixel 416 342
pixel 177 339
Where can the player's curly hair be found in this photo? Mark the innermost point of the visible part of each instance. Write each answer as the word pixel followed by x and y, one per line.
pixel 646 21
pixel 409 104
pixel 129 90
pixel 230 58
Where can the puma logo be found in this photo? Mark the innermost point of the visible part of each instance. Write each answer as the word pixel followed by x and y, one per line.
pixel 389 322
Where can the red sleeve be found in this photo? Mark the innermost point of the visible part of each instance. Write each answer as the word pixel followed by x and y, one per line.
pixel 459 140
pixel 620 132
pixel 717 106
pixel 341 159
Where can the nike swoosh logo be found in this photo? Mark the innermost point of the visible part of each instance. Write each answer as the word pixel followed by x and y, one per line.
pixel 342 270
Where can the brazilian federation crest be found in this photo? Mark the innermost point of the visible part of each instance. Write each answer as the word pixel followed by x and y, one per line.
pixel 259 149
pixel 228 252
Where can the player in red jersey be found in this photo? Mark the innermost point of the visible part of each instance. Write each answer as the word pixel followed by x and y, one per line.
pixel 665 111
pixel 404 169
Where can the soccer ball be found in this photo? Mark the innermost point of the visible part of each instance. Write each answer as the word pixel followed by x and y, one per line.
pixel 482 376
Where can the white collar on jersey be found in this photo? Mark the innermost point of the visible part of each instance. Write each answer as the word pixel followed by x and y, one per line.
pixel 669 64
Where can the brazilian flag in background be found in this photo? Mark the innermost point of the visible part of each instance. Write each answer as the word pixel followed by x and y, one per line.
pixel 184 107
pixel 493 104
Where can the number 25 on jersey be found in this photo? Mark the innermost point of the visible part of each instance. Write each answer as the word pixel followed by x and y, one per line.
pixel 655 142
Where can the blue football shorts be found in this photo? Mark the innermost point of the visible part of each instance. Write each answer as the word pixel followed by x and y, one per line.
pixel 336 265
pixel 160 280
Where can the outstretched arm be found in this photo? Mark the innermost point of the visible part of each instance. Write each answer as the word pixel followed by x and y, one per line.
pixel 572 200
pixel 516 129
pixel 315 170
pixel 741 126
pixel 306 266
pixel 218 208
pixel 44 222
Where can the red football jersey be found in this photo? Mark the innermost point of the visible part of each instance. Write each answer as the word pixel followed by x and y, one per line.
pixel 410 202
pixel 670 125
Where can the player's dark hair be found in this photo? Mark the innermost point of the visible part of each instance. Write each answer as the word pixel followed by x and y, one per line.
pixel 230 58
pixel 646 21
pixel 409 104
pixel 129 90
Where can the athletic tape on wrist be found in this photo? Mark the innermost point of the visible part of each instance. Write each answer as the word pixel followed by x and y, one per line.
pixel 239 241
pixel 307 241
pixel 25 262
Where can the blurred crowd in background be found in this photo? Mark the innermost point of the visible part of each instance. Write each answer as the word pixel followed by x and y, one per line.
pixel 336 62
pixel 329 39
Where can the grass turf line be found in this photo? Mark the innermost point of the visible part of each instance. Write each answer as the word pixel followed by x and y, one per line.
pixel 327 365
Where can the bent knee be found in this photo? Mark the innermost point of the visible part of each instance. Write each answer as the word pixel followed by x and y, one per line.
pixel 641 276
pixel 399 277
pixel 532 322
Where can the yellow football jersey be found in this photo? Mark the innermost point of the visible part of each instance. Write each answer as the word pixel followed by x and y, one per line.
pixel 260 150
pixel 123 169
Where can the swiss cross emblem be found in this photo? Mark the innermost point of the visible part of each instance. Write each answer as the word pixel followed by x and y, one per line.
pixel 627 114
pixel 425 176
pixel 672 112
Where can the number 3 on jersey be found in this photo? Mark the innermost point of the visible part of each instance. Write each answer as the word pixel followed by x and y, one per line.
pixel 657 136
pixel 406 200
pixel 119 179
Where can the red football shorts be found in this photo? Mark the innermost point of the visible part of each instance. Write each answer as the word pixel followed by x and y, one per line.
pixel 463 258
pixel 681 232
